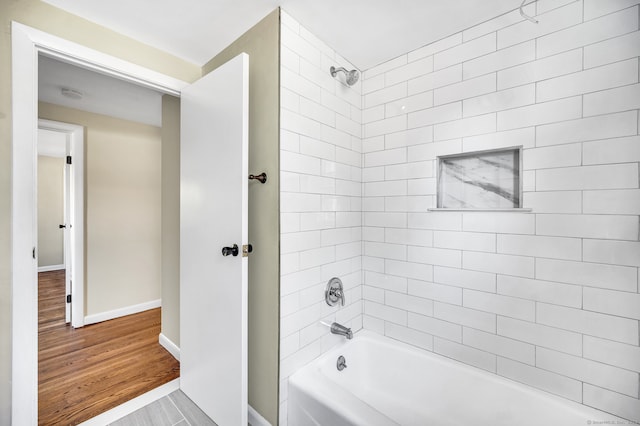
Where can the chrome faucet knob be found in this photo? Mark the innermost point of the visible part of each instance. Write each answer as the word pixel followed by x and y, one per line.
pixel 339 295
pixel 341 364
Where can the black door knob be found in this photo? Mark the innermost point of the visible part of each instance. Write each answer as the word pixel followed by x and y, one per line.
pixel 62 226
pixel 226 251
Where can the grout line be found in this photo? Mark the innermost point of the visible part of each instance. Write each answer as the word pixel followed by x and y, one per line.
pixel 180 411
pixel 561 75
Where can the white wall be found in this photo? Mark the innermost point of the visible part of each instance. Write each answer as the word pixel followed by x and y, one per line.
pixel 548 298
pixel 320 199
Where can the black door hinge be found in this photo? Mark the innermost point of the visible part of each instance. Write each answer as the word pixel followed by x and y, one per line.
pixel 68 298
pixel 68 159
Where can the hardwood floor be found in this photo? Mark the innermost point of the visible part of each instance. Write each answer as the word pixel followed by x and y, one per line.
pixel 86 371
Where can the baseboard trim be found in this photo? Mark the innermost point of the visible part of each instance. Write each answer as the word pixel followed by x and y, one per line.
pixel 121 312
pixel 255 419
pixel 130 406
pixel 171 347
pixel 50 268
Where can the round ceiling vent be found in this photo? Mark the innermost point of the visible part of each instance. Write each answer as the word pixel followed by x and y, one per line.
pixel 71 93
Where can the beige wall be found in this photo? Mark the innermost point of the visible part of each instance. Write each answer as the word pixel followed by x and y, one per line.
pixel 122 209
pixel 171 218
pixel 54 21
pixel 50 210
pixel 262 44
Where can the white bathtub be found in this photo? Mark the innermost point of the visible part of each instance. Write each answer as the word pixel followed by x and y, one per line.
pixel 387 382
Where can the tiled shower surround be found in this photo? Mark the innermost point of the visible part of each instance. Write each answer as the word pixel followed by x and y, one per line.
pixel 547 296
pixel 320 199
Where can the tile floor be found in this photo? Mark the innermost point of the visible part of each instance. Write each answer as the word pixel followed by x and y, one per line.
pixel 175 409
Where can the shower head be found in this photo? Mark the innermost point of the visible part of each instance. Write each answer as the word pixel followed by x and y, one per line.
pixel 351 76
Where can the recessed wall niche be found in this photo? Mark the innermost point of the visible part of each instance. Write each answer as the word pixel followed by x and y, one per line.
pixel 481 180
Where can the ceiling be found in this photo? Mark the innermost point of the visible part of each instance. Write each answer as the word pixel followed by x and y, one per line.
pixel 365 32
pixel 101 94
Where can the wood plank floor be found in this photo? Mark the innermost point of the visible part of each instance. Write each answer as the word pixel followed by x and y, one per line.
pixel 86 371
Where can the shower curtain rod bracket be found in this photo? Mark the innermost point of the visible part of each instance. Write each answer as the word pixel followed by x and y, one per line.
pixel 524 15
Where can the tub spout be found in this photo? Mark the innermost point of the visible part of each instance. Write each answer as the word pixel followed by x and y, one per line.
pixel 341 330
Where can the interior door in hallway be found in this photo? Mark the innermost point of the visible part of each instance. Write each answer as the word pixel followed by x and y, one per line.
pixel 65 142
pixel 213 216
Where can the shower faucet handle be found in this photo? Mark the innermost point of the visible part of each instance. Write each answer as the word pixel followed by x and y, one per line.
pixel 334 292
pixel 337 293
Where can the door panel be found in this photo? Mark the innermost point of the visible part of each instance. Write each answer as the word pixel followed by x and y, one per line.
pixel 213 214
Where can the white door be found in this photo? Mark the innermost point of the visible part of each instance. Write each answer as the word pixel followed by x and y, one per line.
pixel 213 215
pixel 68 259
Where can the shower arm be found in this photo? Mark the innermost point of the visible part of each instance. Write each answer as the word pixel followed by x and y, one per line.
pixel 335 70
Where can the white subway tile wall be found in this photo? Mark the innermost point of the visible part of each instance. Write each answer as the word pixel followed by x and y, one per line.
pixel 542 297
pixel 549 297
pixel 321 199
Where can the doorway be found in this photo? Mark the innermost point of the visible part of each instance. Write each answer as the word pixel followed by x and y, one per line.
pixel 123 125
pixel 122 275
pixel 61 210
pixel 27 43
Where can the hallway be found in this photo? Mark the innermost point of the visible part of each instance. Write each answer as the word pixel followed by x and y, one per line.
pixel 84 372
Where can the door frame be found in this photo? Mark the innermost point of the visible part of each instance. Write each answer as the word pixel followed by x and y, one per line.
pixel 74 235
pixel 26 44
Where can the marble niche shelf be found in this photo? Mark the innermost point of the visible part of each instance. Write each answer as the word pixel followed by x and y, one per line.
pixel 481 181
